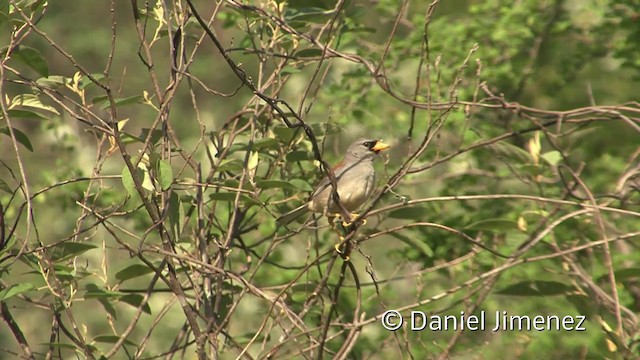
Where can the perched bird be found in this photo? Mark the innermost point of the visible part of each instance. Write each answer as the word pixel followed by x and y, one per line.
pixel 355 179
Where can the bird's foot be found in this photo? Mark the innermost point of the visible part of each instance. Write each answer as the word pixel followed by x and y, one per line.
pixel 345 223
pixel 353 216
pixel 343 249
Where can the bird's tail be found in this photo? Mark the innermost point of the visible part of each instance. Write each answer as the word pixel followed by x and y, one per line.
pixel 292 215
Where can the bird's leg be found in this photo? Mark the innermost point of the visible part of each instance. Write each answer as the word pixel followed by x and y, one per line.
pixel 332 222
pixel 343 249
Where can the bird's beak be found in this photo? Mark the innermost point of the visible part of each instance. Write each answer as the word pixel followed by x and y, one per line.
pixel 380 146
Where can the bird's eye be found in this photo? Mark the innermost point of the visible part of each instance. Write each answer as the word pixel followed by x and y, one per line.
pixel 368 144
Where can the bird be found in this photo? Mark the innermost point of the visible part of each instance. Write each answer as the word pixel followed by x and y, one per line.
pixel 355 180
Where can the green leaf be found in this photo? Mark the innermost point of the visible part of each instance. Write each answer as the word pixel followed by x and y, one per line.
pixel 135 300
pixel 67 250
pixel 165 174
pixel 21 137
pixel 130 139
pixel 57 345
pixel 230 165
pixel 108 307
pixel 231 197
pixel 14 290
pixel 176 215
pixel 32 58
pixel 301 184
pixel 127 180
pixel 536 288
pixel 33 102
pixel 289 70
pixel 495 225
pixel 156 135
pixel 111 339
pixel 298 155
pixel 132 272
pixel 552 157
pixel 52 82
pixel 104 103
pixel 5 187
pixel 284 133
pixel 252 163
pixel 274 184
pixel 292 13
pixel 307 53
pixel 94 292
pixel 268 143
pixel 85 81
pixel 100 99
pixel 25 114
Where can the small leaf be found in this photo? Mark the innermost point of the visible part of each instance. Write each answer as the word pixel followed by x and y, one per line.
pixel 108 307
pixel 298 155
pixel 231 197
pixel 133 271
pixel 230 165
pixel 31 101
pixel 496 225
pixel 5 187
pixel 136 99
pixel 536 288
pixel 176 215
pixel 100 99
pixel 156 135
pixel 268 143
pixel 274 184
pixel 552 157
pixel 307 53
pixel 21 137
pixel 165 174
pixel 25 114
pixel 254 157
pixel 52 82
pixel 289 70
pixel 127 180
pixel 522 224
pixel 301 184
pixel 56 345
pixel 135 300
pixel 111 339
pixel 32 58
pixel 85 81
pixel 130 139
pixel 284 133
pixel 68 250
pixel 535 147
pixel 14 290
pixel 94 292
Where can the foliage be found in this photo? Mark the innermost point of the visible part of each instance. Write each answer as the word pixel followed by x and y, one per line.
pixel 146 150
